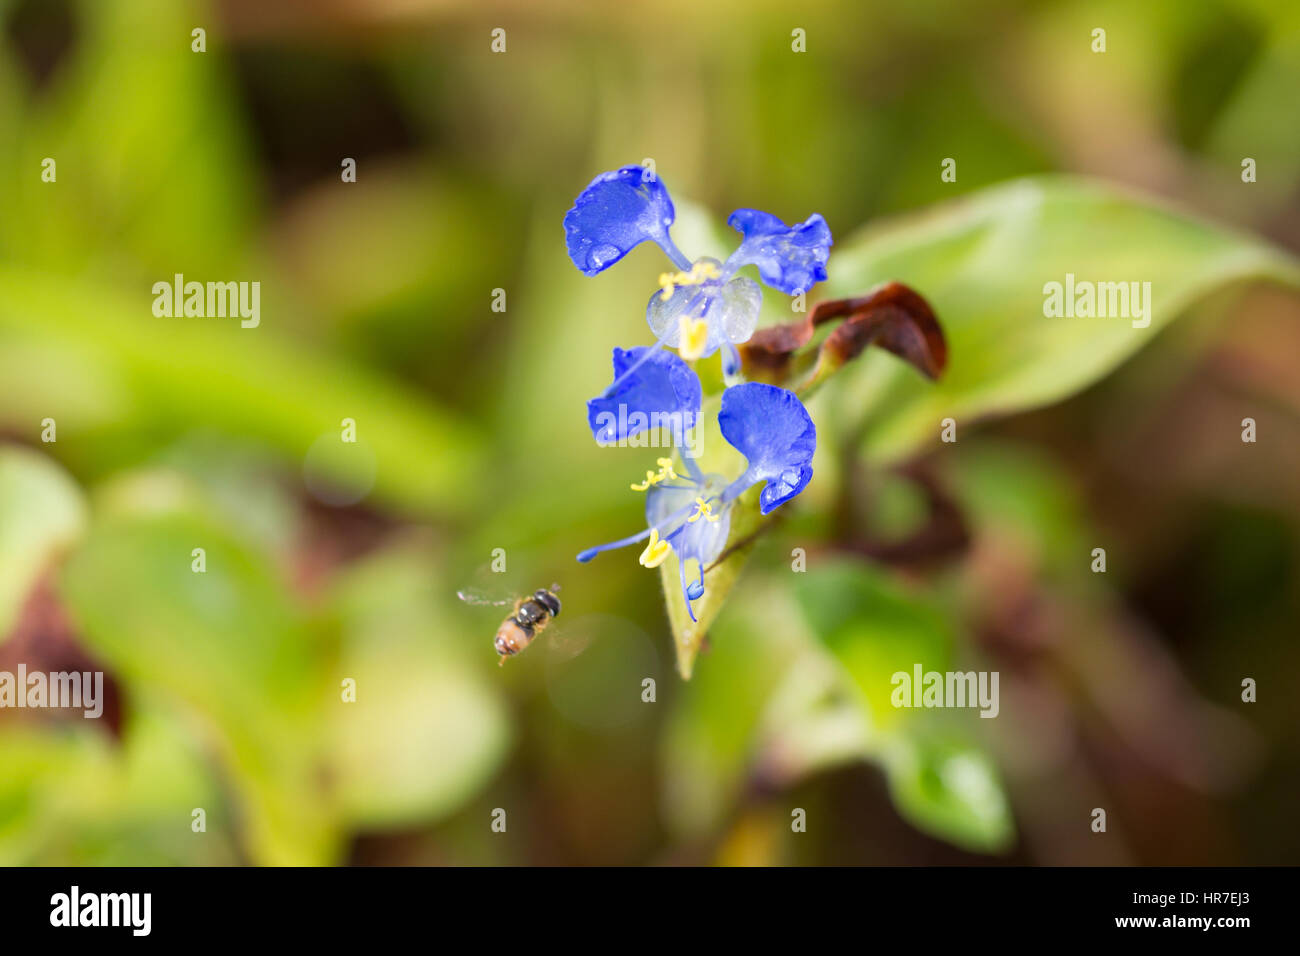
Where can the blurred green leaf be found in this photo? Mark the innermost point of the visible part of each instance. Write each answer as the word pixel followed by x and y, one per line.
pixel 875 628
pixel 773 707
pixel 938 779
pixel 983 263
pixel 1250 116
pixel 73 796
pixel 114 376
pixel 42 513
pixel 1019 494
pixel 426 729
pixel 49 780
pixel 709 742
pixel 950 789
pixel 230 646
pixel 154 174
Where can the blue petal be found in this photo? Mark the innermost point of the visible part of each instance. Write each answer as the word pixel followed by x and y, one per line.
pixel 654 389
pixel 772 429
pixel 618 211
pixel 702 540
pixel 791 259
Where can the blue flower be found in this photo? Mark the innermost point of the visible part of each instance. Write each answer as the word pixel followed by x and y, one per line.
pixel 654 390
pixel 690 514
pixel 704 305
pixel 771 428
pixel 617 212
pixel 789 258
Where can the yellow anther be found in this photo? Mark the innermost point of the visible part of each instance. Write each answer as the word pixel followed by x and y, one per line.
pixel 665 473
pixel 694 337
pixel 702 510
pixel 700 272
pixel 656 551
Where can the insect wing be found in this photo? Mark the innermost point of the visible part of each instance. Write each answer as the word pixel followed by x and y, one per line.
pixel 481 598
pixel 564 643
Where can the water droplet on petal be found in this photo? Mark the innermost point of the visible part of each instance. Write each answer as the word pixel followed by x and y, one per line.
pixel 602 256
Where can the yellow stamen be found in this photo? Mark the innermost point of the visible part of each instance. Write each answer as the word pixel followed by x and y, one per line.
pixel 656 551
pixel 700 273
pixel 665 473
pixel 702 510
pixel 703 271
pixel 694 337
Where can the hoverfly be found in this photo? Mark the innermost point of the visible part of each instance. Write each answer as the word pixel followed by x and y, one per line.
pixel 529 618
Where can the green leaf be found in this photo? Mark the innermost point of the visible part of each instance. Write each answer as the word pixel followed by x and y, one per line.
pixel 121 381
pixel 230 647
pixel 710 738
pixel 42 514
pixel 1020 497
pixel 75 796
pixel 427 729
pixel 983 263
pixel 876 629
pixel 774 707
pixel 49 781
pixel 939 780
pixel 154 169
pixel 950 789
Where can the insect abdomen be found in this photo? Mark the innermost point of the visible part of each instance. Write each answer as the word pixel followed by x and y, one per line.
pixel 512 637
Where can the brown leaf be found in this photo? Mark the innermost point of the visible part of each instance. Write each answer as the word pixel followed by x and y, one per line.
pixel 891 316
pixel 46 640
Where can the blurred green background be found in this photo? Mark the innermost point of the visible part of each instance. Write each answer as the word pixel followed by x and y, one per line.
pixel 328 561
